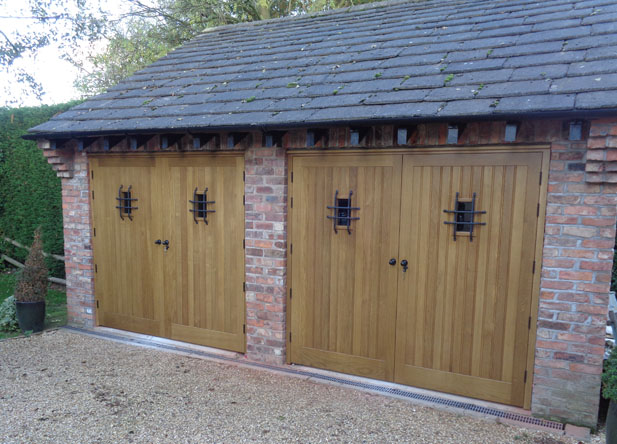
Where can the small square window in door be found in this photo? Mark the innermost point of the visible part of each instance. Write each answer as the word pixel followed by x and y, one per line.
pixel 200 208
pixel 125 202
pixel 464 216
pixel 342 216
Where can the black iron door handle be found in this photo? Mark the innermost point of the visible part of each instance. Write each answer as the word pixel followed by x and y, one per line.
pixel 392 261
pixel 158 242
pixel 404 264
pixel 166 243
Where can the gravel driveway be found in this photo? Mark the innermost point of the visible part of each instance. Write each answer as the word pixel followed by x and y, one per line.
pixel 63 387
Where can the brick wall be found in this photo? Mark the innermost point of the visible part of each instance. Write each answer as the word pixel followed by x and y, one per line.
pixel 266 253
pixel 578 256
pixel 72 168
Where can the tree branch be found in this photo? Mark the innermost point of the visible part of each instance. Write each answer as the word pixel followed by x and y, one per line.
pixel 47 17
pixel 8 40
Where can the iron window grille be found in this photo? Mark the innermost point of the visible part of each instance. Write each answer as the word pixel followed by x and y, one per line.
pixel 464 216
pixel 200 206
pixel 125 202
pixel 342 216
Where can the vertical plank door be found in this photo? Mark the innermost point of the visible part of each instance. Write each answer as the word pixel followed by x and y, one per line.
pixel 203 269
pixel 126 259
pixel 464 305
pixel 343 300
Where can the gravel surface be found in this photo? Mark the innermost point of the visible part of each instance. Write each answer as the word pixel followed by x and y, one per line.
pixel 64 387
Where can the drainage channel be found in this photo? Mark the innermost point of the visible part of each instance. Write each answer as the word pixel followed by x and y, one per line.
pixel 367 386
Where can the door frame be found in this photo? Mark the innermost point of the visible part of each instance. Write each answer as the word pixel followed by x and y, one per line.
pixel 153 156
pixel 543 149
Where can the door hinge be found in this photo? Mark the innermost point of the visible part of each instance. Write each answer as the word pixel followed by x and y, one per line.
pixel 243 286
pixel 291 248
pixel 92 174
pixel 533 268
pixel 290 293
pixel 529 323
pixel 292 202
pixel 243 243
pixel 97 304
pixel 292 177
pixel 243 199
pixel 538 211
pixel 96 268
pixel 540 177
pixel 94 230
pixel 92 194
pixel 525 377
pixel 243 176
pixel 244 328
pixel 289 336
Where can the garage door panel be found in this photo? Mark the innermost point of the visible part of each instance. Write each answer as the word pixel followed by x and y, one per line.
pixel 464 307
pixel 209 265
pixel 131 323
pixel 126 261
pixel 342 362
pixel 345 290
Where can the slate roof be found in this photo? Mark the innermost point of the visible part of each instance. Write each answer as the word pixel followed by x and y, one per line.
pixel 427 60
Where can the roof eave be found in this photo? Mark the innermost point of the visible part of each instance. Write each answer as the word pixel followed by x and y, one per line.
pixel 570 114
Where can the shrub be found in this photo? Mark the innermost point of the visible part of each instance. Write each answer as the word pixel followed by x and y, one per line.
pixel 609 377
pixel 8 316
pixel 30 193
pixel 32 280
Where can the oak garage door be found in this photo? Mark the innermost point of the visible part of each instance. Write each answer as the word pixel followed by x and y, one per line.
pixel 168 246
pixel 417 268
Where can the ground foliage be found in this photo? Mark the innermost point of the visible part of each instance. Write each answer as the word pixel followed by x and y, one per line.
pixel 614 273
pixel 30 193
pixel 8 315
pixel 32 280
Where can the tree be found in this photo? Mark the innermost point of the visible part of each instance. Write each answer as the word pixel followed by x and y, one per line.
pixel 41 23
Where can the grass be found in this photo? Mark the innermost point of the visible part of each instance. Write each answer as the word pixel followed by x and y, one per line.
pixel 55 306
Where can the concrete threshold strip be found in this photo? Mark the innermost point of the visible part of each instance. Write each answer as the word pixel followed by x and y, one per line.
pixel 425 397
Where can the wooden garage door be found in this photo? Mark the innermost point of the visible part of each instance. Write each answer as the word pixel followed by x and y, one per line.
pixel 464 305
pixel 344 299
pixel 127 262
pixel 192 288
pixel 460 309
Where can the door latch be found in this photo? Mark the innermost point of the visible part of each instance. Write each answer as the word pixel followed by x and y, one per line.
pixel 158 242
pixel 392 261
pixel 404 264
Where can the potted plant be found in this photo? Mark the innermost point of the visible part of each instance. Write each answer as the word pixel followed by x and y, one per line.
pixel 31 289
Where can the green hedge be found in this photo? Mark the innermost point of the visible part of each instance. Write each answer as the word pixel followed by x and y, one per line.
pixel 30 193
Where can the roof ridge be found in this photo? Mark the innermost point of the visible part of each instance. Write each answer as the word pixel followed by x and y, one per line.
pixel 329 12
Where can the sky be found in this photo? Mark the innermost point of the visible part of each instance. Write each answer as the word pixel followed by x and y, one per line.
pixel 55 75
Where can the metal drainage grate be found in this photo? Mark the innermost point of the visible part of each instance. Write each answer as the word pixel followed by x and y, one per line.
pixel 373 387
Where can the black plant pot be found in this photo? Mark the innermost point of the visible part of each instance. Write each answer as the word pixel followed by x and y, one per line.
pixel 611 423
pixel 30 316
